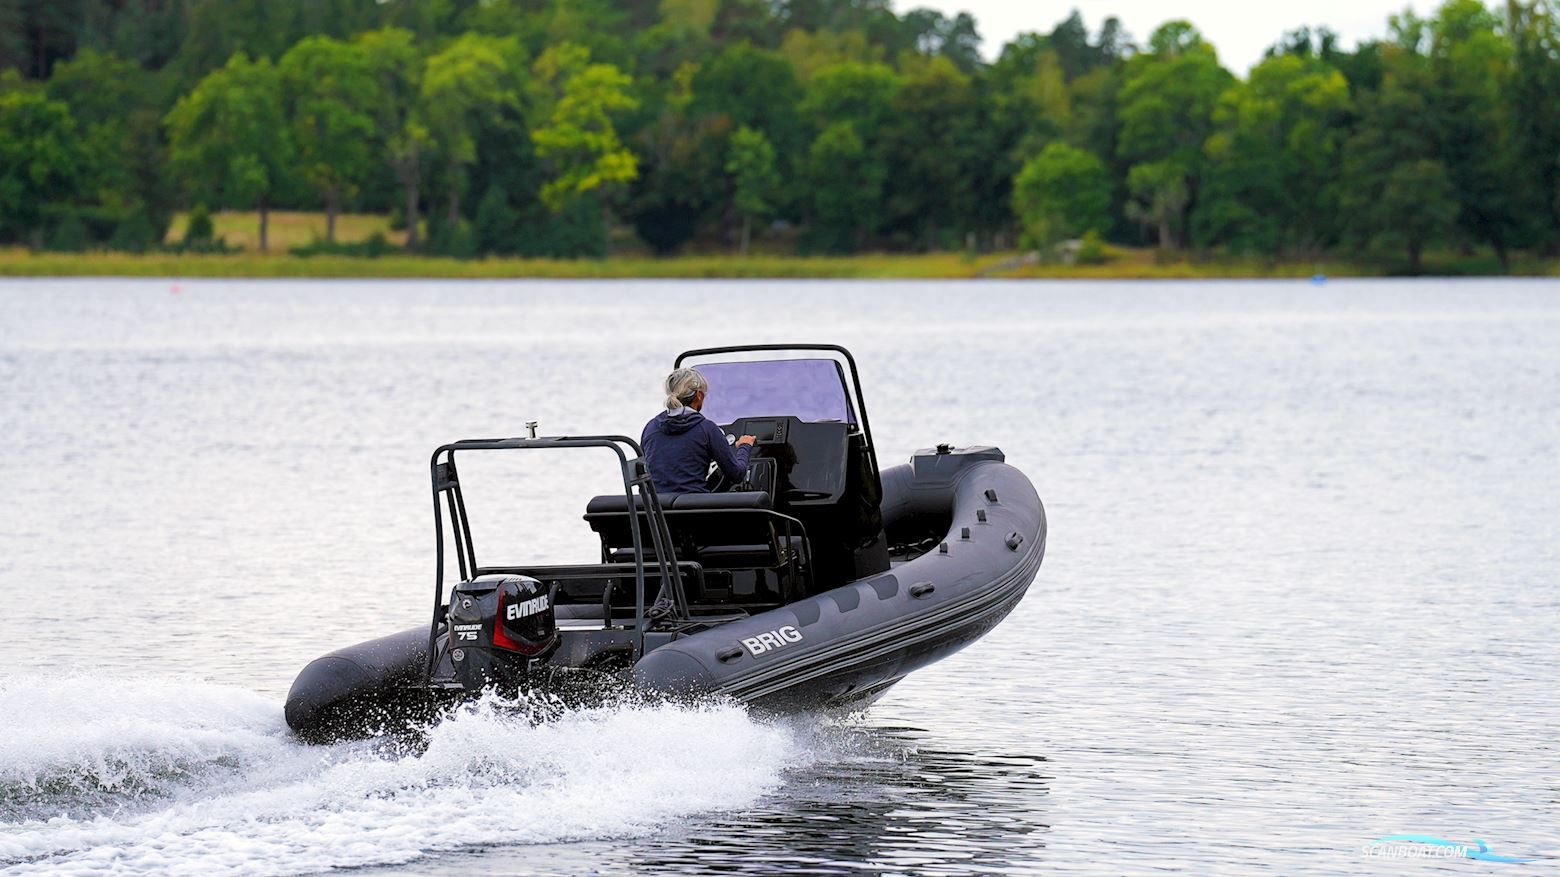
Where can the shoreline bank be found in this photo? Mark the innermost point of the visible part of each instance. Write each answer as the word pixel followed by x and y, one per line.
pixel 933 266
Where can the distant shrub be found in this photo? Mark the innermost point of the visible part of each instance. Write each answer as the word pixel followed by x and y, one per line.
pixel 576 232
pixel 200 228
pixel 495 224
pixel 457 241
pixel 135 233
pixel 70 235
pixel 1091 249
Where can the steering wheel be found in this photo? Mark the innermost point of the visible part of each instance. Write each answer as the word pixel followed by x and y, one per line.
pixel 716 480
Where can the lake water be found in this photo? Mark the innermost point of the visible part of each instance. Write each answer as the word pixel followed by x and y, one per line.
pixel 1302 589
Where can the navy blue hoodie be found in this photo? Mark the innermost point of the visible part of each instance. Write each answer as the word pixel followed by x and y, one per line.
pixel 679 447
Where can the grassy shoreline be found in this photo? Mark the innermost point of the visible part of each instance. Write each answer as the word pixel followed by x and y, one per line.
pixel 22 263
pixel 290 229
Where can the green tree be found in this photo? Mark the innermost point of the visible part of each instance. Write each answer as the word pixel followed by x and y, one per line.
pixel 682 36
pixel 852 107
pixel 751 165
pixel 933 34
pixel 1394 143
pixel 812 51
pixel 740 86
pixel 1159 197
pixel 1533 117
pixel 229 138
pixel 1061 193
pixel 199 229
pixel 1470 63
pixel 117 107
pixel 938 147
pixel 1166 109
pixel 470 80
pixel 216 30
pixel 1417 207
pixel 1033 104
pixel 147 34
pixel 744 85
pixel 682 180
pixel 331 93
pixel 577 136
pixel 1271 181
pixel 43 160
pixel 861 94
pixel 35 34
pixel 400 129
pixel 495 225
pixel 847 189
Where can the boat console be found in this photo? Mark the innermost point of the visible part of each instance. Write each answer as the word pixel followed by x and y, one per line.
pixel 806 510
pixel 814 452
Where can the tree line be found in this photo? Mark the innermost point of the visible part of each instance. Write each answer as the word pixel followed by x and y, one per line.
pixel 546 127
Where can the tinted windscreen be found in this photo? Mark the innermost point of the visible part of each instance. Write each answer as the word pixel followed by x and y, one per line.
pixel 808 389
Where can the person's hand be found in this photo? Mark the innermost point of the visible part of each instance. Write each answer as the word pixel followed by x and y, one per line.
pixel 746 441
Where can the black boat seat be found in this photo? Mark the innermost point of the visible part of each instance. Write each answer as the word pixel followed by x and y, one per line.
pixel 750 537
pixel 741 499
pixel 744 499
pixel 618 503
pixel 608 516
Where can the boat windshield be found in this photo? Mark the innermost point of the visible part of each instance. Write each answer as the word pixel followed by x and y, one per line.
pixel 810 390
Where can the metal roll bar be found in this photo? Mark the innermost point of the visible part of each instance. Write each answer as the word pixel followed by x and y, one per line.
pixel 635 476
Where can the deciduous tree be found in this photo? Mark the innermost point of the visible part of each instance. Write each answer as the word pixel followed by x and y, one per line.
pixel 331 93
pixel 117 108
pixel 1061 193
pixel 578 137
pixel 43 161
pixel 1470 64
pixel 473 78
pixel 1533 116
pixel 847 189
pixel 1168 95
pixel 1418 207
pixel 1393 148
pixel 755 182
pixel 229 138
pixel 937 146
pixel 1159 197
pixel 401 130
pixel 1272 160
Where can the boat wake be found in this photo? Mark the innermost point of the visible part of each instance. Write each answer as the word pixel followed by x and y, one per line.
pixel 172 777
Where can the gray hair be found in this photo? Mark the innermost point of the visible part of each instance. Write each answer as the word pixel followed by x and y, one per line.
pixel 682 385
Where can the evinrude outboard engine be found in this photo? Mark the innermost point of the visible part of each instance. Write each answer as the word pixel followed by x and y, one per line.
pixel 498 625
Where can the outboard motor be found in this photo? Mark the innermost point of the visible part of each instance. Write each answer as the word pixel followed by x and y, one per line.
pixel 499 624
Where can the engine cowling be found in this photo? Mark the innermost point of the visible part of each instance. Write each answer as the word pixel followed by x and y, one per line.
pixel 498 624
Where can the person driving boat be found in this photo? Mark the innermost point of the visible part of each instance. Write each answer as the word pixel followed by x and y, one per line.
pixel 680 443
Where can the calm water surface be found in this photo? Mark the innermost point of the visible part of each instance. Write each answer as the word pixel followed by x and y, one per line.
pixel 1302 588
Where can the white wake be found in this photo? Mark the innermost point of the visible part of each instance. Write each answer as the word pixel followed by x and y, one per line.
pixel 168 777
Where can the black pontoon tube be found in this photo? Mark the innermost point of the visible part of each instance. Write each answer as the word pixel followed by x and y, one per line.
pixel 855 640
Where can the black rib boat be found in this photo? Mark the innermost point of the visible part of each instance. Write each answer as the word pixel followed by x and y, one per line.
pixel 817 581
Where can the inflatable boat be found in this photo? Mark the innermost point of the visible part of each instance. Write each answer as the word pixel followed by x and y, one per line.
pixel 819 580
